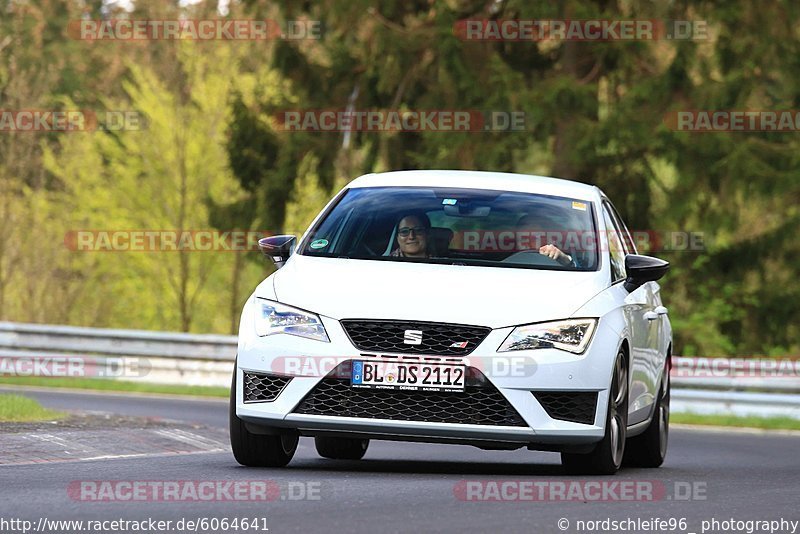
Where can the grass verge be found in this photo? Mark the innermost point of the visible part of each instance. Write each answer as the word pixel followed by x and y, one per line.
pixel 102 384
pixel 16 408
pixel 769 423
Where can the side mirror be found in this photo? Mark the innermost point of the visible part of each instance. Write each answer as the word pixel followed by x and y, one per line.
pixel 643 269
pixel 277 248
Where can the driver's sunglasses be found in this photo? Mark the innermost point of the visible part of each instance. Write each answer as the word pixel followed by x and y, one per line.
pixel 406 231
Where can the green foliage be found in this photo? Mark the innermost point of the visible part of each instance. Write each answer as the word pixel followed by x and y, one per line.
pixel 165 177
pixel 307 198
pixel 213 157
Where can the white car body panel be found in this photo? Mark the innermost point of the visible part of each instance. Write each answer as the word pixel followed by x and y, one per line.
pixel 498 298
pixel 426 292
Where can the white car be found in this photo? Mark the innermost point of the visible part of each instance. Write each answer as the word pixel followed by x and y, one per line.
pixel 488 309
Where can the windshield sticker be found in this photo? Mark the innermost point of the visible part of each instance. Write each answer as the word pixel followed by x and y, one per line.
pixel 579 205
pixel 319 243
pixel 449 201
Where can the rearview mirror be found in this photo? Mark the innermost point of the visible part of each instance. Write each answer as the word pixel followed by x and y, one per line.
pixel 277 248
pixel 466 209
pixel 643 269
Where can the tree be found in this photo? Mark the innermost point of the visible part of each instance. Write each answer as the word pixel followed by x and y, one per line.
pixel 165 177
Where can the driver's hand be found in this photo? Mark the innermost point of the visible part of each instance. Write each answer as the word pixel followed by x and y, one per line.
pixel 554 253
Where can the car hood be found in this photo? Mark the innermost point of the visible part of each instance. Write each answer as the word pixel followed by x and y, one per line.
pixel 487 296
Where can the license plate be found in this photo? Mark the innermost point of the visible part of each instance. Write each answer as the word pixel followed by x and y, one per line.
pixel 407 375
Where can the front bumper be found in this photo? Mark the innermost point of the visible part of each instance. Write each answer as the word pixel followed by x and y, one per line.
pixel 515 375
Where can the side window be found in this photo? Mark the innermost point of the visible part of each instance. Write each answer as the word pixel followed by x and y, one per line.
pixel 623 230
pixel 615 247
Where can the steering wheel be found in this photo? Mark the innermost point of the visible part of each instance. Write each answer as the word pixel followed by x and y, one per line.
pixel 364 247
pixel 532 257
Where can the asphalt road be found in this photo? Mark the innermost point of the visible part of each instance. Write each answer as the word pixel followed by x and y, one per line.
pixel 404 487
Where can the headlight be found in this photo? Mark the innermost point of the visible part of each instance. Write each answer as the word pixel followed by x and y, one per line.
pixel 275 318
pixel 572 335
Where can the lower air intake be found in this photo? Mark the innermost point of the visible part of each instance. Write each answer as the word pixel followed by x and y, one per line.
pixel 262 387
pixel 479 404
pixel 574 406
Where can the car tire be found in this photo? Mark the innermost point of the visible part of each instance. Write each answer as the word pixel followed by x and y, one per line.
pixel 650 448
pixel 606 457
pixel 341 448
pixel 258 450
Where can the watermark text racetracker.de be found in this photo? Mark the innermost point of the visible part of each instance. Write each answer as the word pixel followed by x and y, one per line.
pixel 579 30
pixel 163 240
pixel 183 491
pixel 734 120
pixel 532 491
pixel 194 30
pixel 399 120
pixel 522 238
pixel 472 240
pixel 147 524
pixel 776 368
pixel 74 120
pixel 495 366
pixel 74 366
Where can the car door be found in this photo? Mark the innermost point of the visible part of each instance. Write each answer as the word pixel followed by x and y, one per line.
pixel 636 308
pixel 656 316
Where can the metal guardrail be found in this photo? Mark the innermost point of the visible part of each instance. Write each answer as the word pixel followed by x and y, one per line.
pixel 40 339
pixel 137 355
pixel 741 374
pixel 702 385
pixel 741 403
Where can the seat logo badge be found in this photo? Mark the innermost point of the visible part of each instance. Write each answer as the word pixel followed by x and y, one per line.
pixel 459 344
pixel 412 337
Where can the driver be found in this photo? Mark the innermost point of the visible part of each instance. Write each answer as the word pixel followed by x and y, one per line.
pixel 538 223
pixel 412 236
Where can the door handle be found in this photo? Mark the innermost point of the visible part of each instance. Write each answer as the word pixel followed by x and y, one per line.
pixel 662 310
pixel 651 315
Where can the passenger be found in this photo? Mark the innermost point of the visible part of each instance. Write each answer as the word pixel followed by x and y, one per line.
pixel 412 236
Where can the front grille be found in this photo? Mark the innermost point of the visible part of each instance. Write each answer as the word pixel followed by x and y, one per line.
pixel 575 406
pixel 438 339
pixel 261 387
pixel 479 404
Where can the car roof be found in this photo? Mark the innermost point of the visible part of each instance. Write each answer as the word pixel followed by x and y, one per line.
pixel 498 181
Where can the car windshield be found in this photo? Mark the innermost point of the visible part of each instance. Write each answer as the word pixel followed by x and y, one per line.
pixel 458 226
